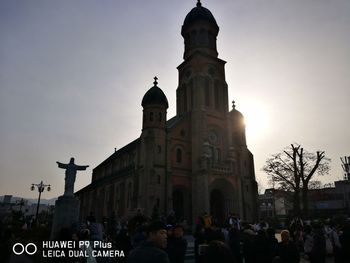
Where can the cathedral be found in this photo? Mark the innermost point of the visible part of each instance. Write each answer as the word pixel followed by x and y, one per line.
pixel 193 163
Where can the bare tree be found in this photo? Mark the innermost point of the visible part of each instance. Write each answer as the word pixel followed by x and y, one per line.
pixel 315 184
pixel 293 169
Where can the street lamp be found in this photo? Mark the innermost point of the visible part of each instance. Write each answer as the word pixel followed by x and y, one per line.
pixel 41 187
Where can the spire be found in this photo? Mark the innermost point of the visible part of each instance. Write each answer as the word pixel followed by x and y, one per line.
pixel 199 4
pixel 233 105
pixel 155 81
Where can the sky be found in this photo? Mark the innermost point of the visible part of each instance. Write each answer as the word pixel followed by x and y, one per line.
pixel 73 74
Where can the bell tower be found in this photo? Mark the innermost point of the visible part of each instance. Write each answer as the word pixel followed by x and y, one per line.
pixel 202 84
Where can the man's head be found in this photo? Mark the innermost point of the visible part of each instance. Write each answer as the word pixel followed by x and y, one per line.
pixel 157 233
pixel 285 236
pixel 178 231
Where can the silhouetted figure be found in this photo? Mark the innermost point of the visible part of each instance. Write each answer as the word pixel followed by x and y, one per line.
pixel 287 251
pixel 199 238
pixel 213 233
pixel 218 251
pixel 71 172
pixel 177 245
pixel 123 243
pixel 248 236
pixel 345 243
pixel 318 251
pixel 261 248
pixel 151 250
pixel 272 243
pixel 235 243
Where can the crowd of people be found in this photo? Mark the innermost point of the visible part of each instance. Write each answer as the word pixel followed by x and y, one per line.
pixel 163 240
pixel 233 241
pixel 240 242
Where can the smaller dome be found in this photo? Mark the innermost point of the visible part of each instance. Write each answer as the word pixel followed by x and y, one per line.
pixel 199 13
pixel 155 96
pixel 236 112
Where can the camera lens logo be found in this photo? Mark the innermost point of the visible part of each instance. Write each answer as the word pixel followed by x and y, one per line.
pixel 19 248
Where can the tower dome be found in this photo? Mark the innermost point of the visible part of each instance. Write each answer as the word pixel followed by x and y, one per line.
pixel 199 13
pixel 199 31
pixel 155 96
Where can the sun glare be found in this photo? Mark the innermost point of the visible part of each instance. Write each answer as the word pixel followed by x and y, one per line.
pixel 255 118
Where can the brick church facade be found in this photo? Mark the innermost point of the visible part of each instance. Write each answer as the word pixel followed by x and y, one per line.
pixel 195 162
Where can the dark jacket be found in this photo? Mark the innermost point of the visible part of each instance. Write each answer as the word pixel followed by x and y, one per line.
pixel 177 249
pixel 287 253
pixel 148 252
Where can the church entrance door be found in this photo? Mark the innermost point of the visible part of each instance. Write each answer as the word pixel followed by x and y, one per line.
pixel 217 206
pixel 178 203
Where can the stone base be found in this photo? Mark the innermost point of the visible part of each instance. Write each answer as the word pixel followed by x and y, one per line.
pixel 66 214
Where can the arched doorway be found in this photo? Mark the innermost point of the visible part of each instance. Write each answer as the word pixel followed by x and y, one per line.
pixel 222 199
pixel 217 205
pixel 178 203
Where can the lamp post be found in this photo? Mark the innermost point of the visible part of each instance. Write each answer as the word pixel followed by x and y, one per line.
pixel 41 187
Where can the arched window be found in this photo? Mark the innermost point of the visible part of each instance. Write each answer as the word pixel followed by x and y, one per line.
pixel 178 155
pixel 151 116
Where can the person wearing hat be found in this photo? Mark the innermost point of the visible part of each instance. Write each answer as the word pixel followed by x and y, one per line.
pixel 152 249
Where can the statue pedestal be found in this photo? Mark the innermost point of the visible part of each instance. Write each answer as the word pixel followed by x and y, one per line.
pixel 66 214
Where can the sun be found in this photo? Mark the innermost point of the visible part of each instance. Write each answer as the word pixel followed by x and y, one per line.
pixel 255 118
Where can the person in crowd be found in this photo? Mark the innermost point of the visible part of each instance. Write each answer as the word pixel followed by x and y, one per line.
pixel 332 235
pixel 199 239
pixel 248 237
pixel 318 251
pixel 171 219
pixel 177 245
pixel 96 230
pixel 90 218
pixel 218 251
pixel 123 243
pixel 6 241
pixel 286 251
pixel 344 239
pixel 308 240
pixel 207 220
pixel 225 233
pixel 213 233
pixel 235 244
pixel 85 236
pixel 152 250
pixel 272 243
pixel 139 236
pixel 261 248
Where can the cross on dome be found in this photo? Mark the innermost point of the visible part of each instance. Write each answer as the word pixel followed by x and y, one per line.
pixel 233 104
pixel 155 81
